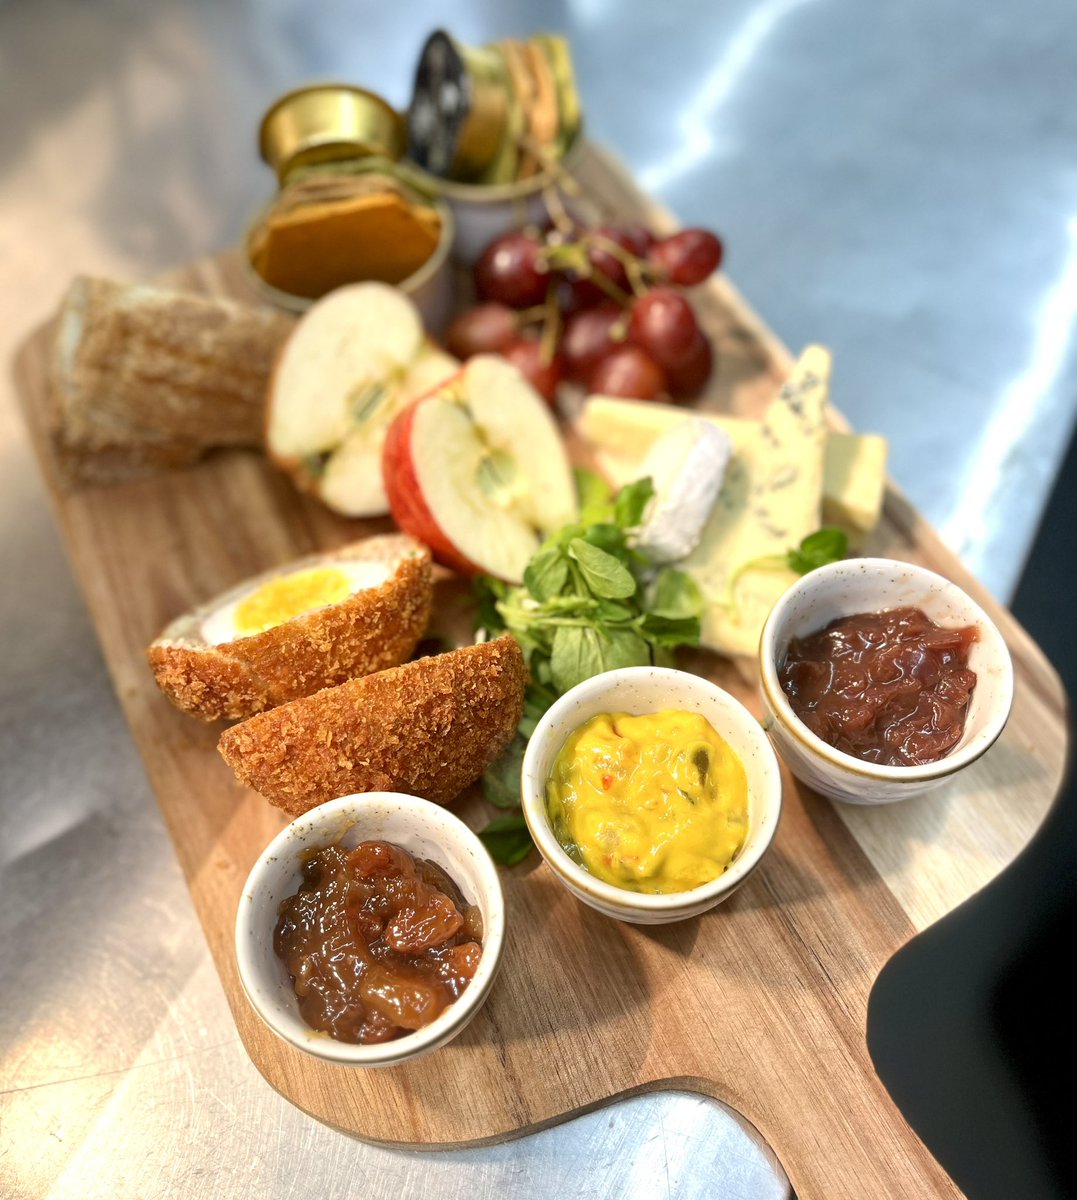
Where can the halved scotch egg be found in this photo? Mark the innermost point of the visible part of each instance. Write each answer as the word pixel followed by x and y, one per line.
pixel 311 624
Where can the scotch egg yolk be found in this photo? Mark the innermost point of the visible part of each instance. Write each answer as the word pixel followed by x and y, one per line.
pixel 290 596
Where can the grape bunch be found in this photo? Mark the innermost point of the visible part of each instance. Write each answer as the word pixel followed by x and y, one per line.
pixel 600 306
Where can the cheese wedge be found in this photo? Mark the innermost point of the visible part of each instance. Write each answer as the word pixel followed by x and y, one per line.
pixel 771 499
pixel 854 481
pixel 621 433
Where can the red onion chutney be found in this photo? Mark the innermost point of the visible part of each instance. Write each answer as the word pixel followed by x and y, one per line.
pixel 889 687
pixel 376 942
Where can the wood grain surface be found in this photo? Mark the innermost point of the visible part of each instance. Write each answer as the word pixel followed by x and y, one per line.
pixel 760 1003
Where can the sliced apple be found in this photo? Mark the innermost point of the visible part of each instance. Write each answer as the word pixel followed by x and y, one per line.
pixel 351 481
pixel 477 470
pixel 355 359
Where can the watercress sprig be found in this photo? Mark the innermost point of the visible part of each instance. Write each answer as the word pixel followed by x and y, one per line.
pixel 824 546
pixel 590 602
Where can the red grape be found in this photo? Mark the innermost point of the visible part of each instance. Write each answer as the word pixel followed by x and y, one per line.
pixel 511 271
pixel 688 257
pixel 628 371
pixel 569 260
pixel 484 329
pixel 587 268
pixel 587 339
pixel 526 355
pixel 663 324
pixel 636 239
pixel 607 261
pixel 688 379
pixel 579 293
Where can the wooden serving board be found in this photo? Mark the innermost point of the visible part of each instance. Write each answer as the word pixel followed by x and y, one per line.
pixel 760 1003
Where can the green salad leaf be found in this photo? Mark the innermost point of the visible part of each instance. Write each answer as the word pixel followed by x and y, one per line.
pixel 606 576
pixel 596 497
pixel 817 549
pixel 507 838
pixel 546 574
pixel 632 501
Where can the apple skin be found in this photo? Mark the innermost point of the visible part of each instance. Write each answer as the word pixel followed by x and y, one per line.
pixel 410 510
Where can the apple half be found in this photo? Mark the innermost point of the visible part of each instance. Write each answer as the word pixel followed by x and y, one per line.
pixel 477 470
pixel 353 362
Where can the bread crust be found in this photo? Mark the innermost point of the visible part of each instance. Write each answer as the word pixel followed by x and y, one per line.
pixel 142 379
pixel 428 728
pixel 370 630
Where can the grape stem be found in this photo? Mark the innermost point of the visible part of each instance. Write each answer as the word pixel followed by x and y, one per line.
pixel 574 256
pixel 637 269
pixel 551 325
pixel 555 207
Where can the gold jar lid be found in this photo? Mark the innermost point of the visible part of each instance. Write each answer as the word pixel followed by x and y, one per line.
pixel 329 122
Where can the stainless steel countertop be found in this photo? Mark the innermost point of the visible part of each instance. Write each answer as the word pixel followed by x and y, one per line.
pixel 897 183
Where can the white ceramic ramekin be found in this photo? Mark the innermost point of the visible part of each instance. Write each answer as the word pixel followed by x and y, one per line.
pixel 423 829
pixel 860 585
pixel 641 690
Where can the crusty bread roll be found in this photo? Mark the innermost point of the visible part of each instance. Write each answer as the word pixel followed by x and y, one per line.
pixel 371 629
pixel 142 379
pixel 428 728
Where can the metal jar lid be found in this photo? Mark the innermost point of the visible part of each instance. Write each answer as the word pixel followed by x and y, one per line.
pixel 459 111
pixel 328 122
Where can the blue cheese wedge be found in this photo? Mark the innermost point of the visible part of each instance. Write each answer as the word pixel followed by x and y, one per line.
pixel 770 501
pixel 687 466
pixel 621 432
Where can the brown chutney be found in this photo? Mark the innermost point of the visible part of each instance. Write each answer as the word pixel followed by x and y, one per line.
pixel 377 943
pixel 890 687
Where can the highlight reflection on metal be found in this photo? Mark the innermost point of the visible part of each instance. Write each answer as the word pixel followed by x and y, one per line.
pixel 696 127
pixel 863 205
pixel 996 483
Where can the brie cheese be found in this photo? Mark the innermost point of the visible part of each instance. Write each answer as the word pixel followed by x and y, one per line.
pixel 686 465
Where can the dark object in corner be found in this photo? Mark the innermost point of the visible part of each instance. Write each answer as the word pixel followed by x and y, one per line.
pixel 973 1026
pixel 973 1029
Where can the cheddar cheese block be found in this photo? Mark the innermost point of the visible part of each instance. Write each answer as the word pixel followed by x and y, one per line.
pixel 854 481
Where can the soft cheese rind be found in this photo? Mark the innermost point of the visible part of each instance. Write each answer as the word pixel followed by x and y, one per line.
pixel 686 465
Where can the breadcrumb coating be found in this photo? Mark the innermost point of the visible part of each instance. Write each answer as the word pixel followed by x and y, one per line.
pixel 429 728
pixel 368 631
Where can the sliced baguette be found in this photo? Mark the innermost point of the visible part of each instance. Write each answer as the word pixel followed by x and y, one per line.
pixel 371 629
pixel 143 379
pixel 428 728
